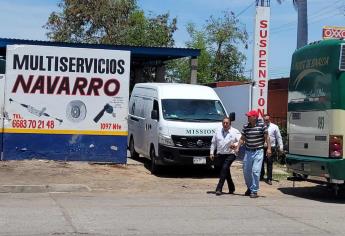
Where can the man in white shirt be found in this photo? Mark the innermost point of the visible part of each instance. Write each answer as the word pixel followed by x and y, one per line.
pixel 276 146
pixel 225 141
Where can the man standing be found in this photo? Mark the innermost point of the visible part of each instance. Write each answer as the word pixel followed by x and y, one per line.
pixel 276 140
pixel 225 141
pixel 254 135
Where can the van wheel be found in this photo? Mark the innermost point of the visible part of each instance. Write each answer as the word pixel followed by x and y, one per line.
pixel 132 151
pixel 154 166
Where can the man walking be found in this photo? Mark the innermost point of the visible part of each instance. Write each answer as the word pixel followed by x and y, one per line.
pixel 254 135
pixel 276 140
pixel 225 141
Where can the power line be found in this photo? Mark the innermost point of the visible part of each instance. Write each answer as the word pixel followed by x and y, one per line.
pixel 325 8
pixel 314 17
pixel 245 9
pixel 309 23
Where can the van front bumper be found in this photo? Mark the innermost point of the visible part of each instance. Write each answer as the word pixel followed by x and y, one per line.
pixel 168 155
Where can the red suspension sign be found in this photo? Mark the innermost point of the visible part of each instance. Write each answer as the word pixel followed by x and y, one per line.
pixel 260 62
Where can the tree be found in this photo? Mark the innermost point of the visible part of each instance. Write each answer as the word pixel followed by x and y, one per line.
pixel 302 22
pixel 118 22
pixel 180 68
pixel 220 57
pixel 223 35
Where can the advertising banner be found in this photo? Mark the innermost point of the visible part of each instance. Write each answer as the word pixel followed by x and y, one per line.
pixel 260 61
pixel 62 90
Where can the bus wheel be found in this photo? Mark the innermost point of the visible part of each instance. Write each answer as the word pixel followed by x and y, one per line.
pixel 154 166
pixel 132 151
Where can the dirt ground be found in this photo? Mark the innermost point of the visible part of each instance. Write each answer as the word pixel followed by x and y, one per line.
pixel 131 178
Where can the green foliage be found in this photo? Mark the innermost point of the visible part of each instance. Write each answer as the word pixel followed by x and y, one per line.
pixel 199 40
pixel 117 22
pixel 220 58
pixel 121 22
pixel 224 34
pixel 180 69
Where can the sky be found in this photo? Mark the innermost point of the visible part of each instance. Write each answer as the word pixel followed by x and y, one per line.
pixel 24 19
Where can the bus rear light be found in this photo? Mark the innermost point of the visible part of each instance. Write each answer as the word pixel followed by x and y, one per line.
pixel 335 146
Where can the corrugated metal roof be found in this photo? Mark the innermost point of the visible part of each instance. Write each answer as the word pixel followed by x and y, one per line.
pixel 154 53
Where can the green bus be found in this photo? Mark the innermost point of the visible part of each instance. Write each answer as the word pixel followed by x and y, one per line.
pixel 316 113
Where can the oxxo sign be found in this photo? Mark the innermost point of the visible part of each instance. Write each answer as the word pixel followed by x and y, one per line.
pixel 329 32
pixel 260 62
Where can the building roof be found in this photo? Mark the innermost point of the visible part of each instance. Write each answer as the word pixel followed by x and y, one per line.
pixel 138 54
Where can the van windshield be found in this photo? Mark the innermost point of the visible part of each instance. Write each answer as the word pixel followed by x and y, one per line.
pixel 192 110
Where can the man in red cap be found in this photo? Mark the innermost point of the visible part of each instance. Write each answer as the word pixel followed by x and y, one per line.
pixel 254 135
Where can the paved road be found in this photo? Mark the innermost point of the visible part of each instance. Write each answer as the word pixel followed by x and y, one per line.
pixel 128 200
pixel 168 214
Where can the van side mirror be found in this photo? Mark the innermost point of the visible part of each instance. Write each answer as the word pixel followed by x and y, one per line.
pixel 154 115
pixel 232 116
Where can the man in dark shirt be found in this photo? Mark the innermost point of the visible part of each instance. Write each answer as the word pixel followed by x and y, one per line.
pixel 254 135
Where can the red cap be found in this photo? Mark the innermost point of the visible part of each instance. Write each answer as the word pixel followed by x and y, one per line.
pixel 252 113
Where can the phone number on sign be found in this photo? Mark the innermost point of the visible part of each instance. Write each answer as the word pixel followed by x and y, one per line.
pixel 33 124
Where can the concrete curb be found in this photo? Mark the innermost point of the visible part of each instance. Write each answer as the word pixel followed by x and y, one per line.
pixel 44 188
pixel 133 162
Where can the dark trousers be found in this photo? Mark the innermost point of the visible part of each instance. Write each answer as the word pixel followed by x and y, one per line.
pixel 269 162
pixel 225 161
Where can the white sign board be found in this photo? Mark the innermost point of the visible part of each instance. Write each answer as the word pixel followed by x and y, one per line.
pixel 260 62
pixel 65 90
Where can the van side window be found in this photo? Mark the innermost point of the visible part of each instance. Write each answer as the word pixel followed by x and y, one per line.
pixel 156 107
pixel 135 108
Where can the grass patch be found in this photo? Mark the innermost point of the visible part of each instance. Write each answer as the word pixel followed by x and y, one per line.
pixel 279 166
pixel 280 172
pixel 280 176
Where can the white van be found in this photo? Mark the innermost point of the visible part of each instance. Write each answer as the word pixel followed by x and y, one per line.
pixel 173 123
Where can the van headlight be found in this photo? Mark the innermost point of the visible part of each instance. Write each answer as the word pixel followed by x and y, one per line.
pixel 165 140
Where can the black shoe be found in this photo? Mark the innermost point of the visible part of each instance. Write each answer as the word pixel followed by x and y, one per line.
pixel 247 193
pixel 218 193
pixel 269 182
pixel 231 191
pixel 262 179
pixel 254 195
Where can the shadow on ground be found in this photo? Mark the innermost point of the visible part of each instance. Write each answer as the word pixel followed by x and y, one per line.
pixel 181 171
pixel 321 193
